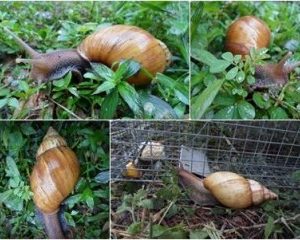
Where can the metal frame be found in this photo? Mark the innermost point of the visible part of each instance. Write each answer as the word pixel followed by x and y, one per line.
pixel 266 151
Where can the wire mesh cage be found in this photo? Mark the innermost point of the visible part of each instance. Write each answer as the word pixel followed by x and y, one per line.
pixel 266 151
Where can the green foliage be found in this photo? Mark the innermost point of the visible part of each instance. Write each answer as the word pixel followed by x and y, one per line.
pixel 221 82
pixel 86 208
pixel 38 24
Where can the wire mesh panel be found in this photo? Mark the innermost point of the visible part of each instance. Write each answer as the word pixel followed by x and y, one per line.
pixel 268 152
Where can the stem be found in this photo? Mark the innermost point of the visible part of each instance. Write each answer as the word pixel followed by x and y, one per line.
pixel 52 226
pixel 64 108
pixel 165 213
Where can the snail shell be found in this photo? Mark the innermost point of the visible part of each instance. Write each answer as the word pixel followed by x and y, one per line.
pixel 152 151
pixel 120 42
pixel 131 171
pixel 54 174
pixel 246 33
pixel 235 191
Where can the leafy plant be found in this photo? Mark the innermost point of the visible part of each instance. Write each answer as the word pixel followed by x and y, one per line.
pixel 86 208
pixel 166 97
pixel 221 83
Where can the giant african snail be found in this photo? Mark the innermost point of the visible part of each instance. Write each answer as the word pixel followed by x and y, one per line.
pixel 251 32
pixel 228 188
pixel 107 45
pixel 53 178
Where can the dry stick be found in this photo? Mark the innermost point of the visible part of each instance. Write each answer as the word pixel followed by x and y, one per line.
pixel 64 108
pixel 165 213
pixel 245 215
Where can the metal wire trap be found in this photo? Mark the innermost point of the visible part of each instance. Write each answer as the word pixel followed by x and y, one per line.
pixel 266 151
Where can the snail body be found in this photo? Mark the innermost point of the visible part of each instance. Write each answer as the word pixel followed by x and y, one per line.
pixel 251 32
pixel 235 191
pixel 53 178
pixel 107 45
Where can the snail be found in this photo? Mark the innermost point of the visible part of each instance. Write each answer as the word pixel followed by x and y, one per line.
pixel 152 150
pixel 131 171
pixel 235 191
pixel 251 32
pixel 107 45
pixel 53 178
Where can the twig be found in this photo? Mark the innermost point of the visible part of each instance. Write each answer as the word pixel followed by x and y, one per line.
pixel 64 108
pixel 165 213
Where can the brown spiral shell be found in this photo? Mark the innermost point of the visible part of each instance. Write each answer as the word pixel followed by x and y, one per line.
pixel 54 174
pixel 119 42
pixel 246 33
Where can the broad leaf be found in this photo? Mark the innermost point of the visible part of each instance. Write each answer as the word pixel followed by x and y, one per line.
pixel 205 99
pixel 109 105
pixel 131 97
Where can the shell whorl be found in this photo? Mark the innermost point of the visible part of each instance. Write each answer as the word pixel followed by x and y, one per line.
pixel 118 42
pixel 260 193
pixel 51 140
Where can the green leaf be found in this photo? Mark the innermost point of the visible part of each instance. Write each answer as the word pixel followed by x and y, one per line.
pixel 13 201
pixel 206 57
pixel 90 75
pixel 13 102
pixel 16 142
pixel 131 97
pixel 269 227
pixel 4 92
pixel 63 83
pixel 105 86
pixel 127 68
pixel 69 219
pixel 239 91
pixel 135 228
pixel 260 101
pixel 71 201
pixel 278 113
pixel 109 105
pixel 23 86
pixel 205 99
pixel 226 113
pixel 219 66
pixel 237 58
pixel 232 73
pixel 88 197
pixel 146 203
pixel 246 110
pixel 103 71
pixel 3 102
pixel 73 90
pixel 228 56
pixel 157 108
pixel 250 79
pixel 11 168
pixel 240 77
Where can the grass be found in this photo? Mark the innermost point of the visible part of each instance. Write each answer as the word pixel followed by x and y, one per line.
pixel 48 26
